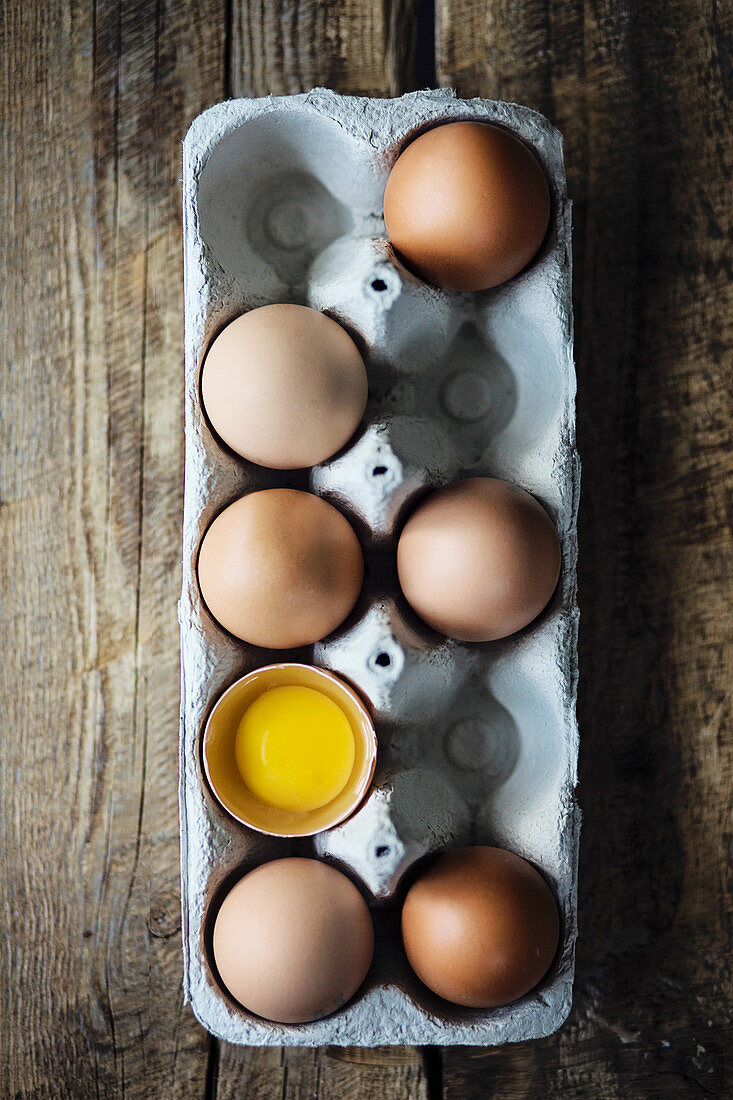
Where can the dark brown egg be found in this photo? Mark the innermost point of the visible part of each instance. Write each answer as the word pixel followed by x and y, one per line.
pixel 467 206
pixel 479 559
pixel 480 927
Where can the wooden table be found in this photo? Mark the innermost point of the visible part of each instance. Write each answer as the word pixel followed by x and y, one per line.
pixel 96 96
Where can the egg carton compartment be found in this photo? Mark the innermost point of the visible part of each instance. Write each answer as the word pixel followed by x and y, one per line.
pixel 393 462
pixel 405 677
pixel 477 744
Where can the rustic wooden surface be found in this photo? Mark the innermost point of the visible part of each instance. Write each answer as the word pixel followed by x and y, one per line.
pixel 95 99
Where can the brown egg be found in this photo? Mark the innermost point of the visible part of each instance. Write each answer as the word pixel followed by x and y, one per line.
pixel 293 940
pixel 478 559
pixel 280 568
pixel 480 927
pixel 284 386
pixel 467 206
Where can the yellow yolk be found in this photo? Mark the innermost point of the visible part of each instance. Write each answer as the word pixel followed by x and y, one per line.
pixel 294 748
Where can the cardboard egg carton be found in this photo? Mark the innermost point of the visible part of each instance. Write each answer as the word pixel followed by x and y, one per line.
pixel 477 743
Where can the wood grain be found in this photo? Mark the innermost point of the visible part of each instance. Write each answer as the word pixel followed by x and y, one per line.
pixel 642 94
pixel 361 47
pixel 95 100
pixel 328 1073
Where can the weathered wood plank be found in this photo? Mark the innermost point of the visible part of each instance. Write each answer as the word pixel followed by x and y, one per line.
pixel 95 99
pixel 361 47
pixel 329 1073
pixel 642 95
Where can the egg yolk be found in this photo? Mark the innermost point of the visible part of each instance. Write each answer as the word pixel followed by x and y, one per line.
pixel 294 748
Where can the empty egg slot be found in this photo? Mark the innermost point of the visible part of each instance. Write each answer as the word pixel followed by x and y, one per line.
pixel 267 202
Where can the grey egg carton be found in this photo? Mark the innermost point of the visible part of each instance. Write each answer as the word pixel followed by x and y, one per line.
pixel 477 744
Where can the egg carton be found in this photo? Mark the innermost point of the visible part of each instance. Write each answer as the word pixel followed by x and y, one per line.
pixel 477 743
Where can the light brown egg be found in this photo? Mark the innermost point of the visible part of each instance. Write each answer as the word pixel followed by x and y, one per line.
pixel 293 940
pixel 467 206
pixel 284 386
pixel 280 568
pixel 479 559
pixel 480 927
